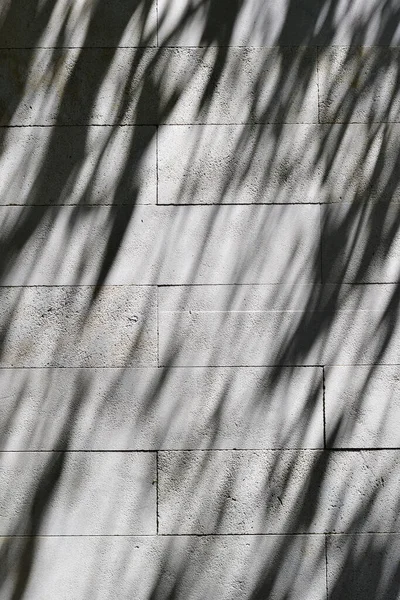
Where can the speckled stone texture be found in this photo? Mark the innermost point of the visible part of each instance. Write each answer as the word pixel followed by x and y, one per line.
pixel 199 300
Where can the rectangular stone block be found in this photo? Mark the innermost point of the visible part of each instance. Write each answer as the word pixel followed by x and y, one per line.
pixel 363 566
pixel 354 163
pixel 225 567
pixel 292 163
pixel 67 24
pixel 362 406
pixel 77 493
pixel 77 86
pixel 159 245
pixel 252 23
pixel 278 325
pixel 150 408
pixel 361 243
pixel 278 491
pixel 234 492
pixel 269 23
pixel 78 165
pixel 78 326
pixel 245 85
pixel 238 164
pixel 359 85
pixel 359 492
pixel 144 87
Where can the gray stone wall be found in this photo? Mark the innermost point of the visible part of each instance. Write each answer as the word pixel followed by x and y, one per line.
pixel 199 283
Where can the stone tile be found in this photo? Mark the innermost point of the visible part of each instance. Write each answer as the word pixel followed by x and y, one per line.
pixel 68 24
pixel 78 165
pixel 181 567
pixel 77 493
pixel 237 164
pixel 363 566
pixel 77 86
pixel 289 163
pixel 78 326
pixel 360 243
pixel 200 83
pixel 278 325
pixel 281 492
pixel 235 492
pixel 265 22
pixel 148 409
pixel 159 245
pixel 95 86
pixel 362 406
pixel 359 85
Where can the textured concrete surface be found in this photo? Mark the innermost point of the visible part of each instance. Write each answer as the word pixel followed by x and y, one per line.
pixel 199 289
pixel 83 165
pixel 265 22
pixel 178 567
pixel 70 326
pixel 150 408
pixel 160 245
pixel 67 24
pixel 209 99
pixel 135 89
pixel 267 491
pixel 67 493
pixel 366 247
pixel 362 411
pixel 212 164
pixel 360 566
pixel 331 324
pixel 359 85
pixel 208 164
pixel 75 87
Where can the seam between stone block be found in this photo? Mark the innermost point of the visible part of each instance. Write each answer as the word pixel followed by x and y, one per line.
pixel 157 169
pixel 321 274
pixel 158 326
pixel 318 94
pixel 157 496
pixel 326 565
pixel 323 405
pixel 195 124
pixel 204 535
pixel 302 449
pixel 157 26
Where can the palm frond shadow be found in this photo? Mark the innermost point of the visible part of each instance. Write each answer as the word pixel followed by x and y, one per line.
pixel 89 97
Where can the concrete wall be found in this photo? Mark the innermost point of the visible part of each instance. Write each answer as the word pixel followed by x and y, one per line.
pixel 199 271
